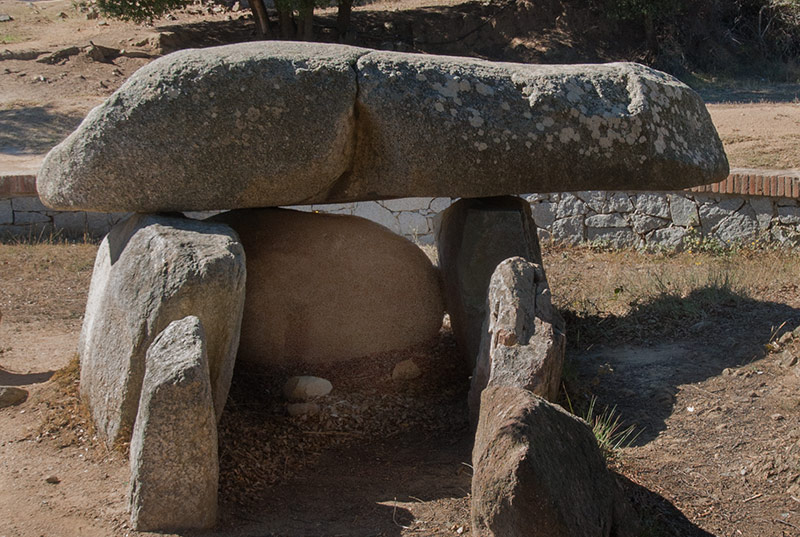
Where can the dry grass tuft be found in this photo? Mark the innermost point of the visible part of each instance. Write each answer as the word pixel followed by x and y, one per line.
pixel 66 420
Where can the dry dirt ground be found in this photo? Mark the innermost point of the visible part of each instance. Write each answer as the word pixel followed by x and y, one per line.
pixel 694 350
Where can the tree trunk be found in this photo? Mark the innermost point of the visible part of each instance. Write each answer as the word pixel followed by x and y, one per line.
pixel 343 17
pixel 307 20
pixel 286 22
pixel 650 33
pixel 263 30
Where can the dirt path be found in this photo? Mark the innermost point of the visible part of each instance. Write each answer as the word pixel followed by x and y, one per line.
pixel 763 135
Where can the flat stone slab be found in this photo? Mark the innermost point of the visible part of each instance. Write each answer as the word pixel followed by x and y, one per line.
pixel 267 124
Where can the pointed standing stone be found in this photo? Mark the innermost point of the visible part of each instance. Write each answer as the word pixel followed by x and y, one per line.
pixel 174 465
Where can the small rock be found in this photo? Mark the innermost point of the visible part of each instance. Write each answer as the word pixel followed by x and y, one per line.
pixel 102 23
pixel 11 395
pixel 777 417
pixel 53 480
pixel 785 338
pixel 302 409
pixel 701 326
pixel 5 18
pixel 306 388
pixel 62 15
pixel 236 7
pixel 788 359
pixel 406 370
pixel 727 371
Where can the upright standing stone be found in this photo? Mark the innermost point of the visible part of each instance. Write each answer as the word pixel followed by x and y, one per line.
pixel 151 270
pixel 174 464
pixel 522 341
pixel 537 472
pixel 473 237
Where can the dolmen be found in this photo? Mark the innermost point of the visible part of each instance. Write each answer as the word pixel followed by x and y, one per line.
pixel 248 129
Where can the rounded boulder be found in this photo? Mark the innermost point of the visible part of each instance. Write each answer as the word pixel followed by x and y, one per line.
pixel 327 288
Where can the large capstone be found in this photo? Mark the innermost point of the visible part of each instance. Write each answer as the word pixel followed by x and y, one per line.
pixel 275 123
pixel 326 288
pixel 151 270
pixel 174 465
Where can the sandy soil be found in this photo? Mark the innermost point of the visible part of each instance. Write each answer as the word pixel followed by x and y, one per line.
pixel 760 135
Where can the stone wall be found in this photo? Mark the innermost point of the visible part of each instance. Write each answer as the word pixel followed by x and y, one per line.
pixel 743 208
pixel 25 216
pixel 654 220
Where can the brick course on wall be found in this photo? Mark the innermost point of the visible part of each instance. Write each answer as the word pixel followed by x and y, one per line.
pixel 748 205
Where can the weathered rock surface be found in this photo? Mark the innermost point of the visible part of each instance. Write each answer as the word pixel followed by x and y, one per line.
pixel 268 124
pixel 174 464
pixel 306 388
pixel 255 124
pixel 324 288
pixel 12 395
pixel 149 271
pixel 522 341
pixel 473 237
pixel 538 472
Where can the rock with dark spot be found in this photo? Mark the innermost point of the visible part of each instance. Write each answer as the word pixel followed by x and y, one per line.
pixel 326 288
pixel 539 473
pixel 522 340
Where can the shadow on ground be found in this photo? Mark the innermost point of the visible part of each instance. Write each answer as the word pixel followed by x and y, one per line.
pixel 33 130
pixel 659 516
pixel 502 31
pixel 638 362
pixel 750 92
pixel 8 378
pixel 366 490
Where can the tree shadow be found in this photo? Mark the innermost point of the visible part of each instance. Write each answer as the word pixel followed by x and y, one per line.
pixel 637 362
pixel 501 31
pixel 34 129
pixel 745 92
pixel 7 378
